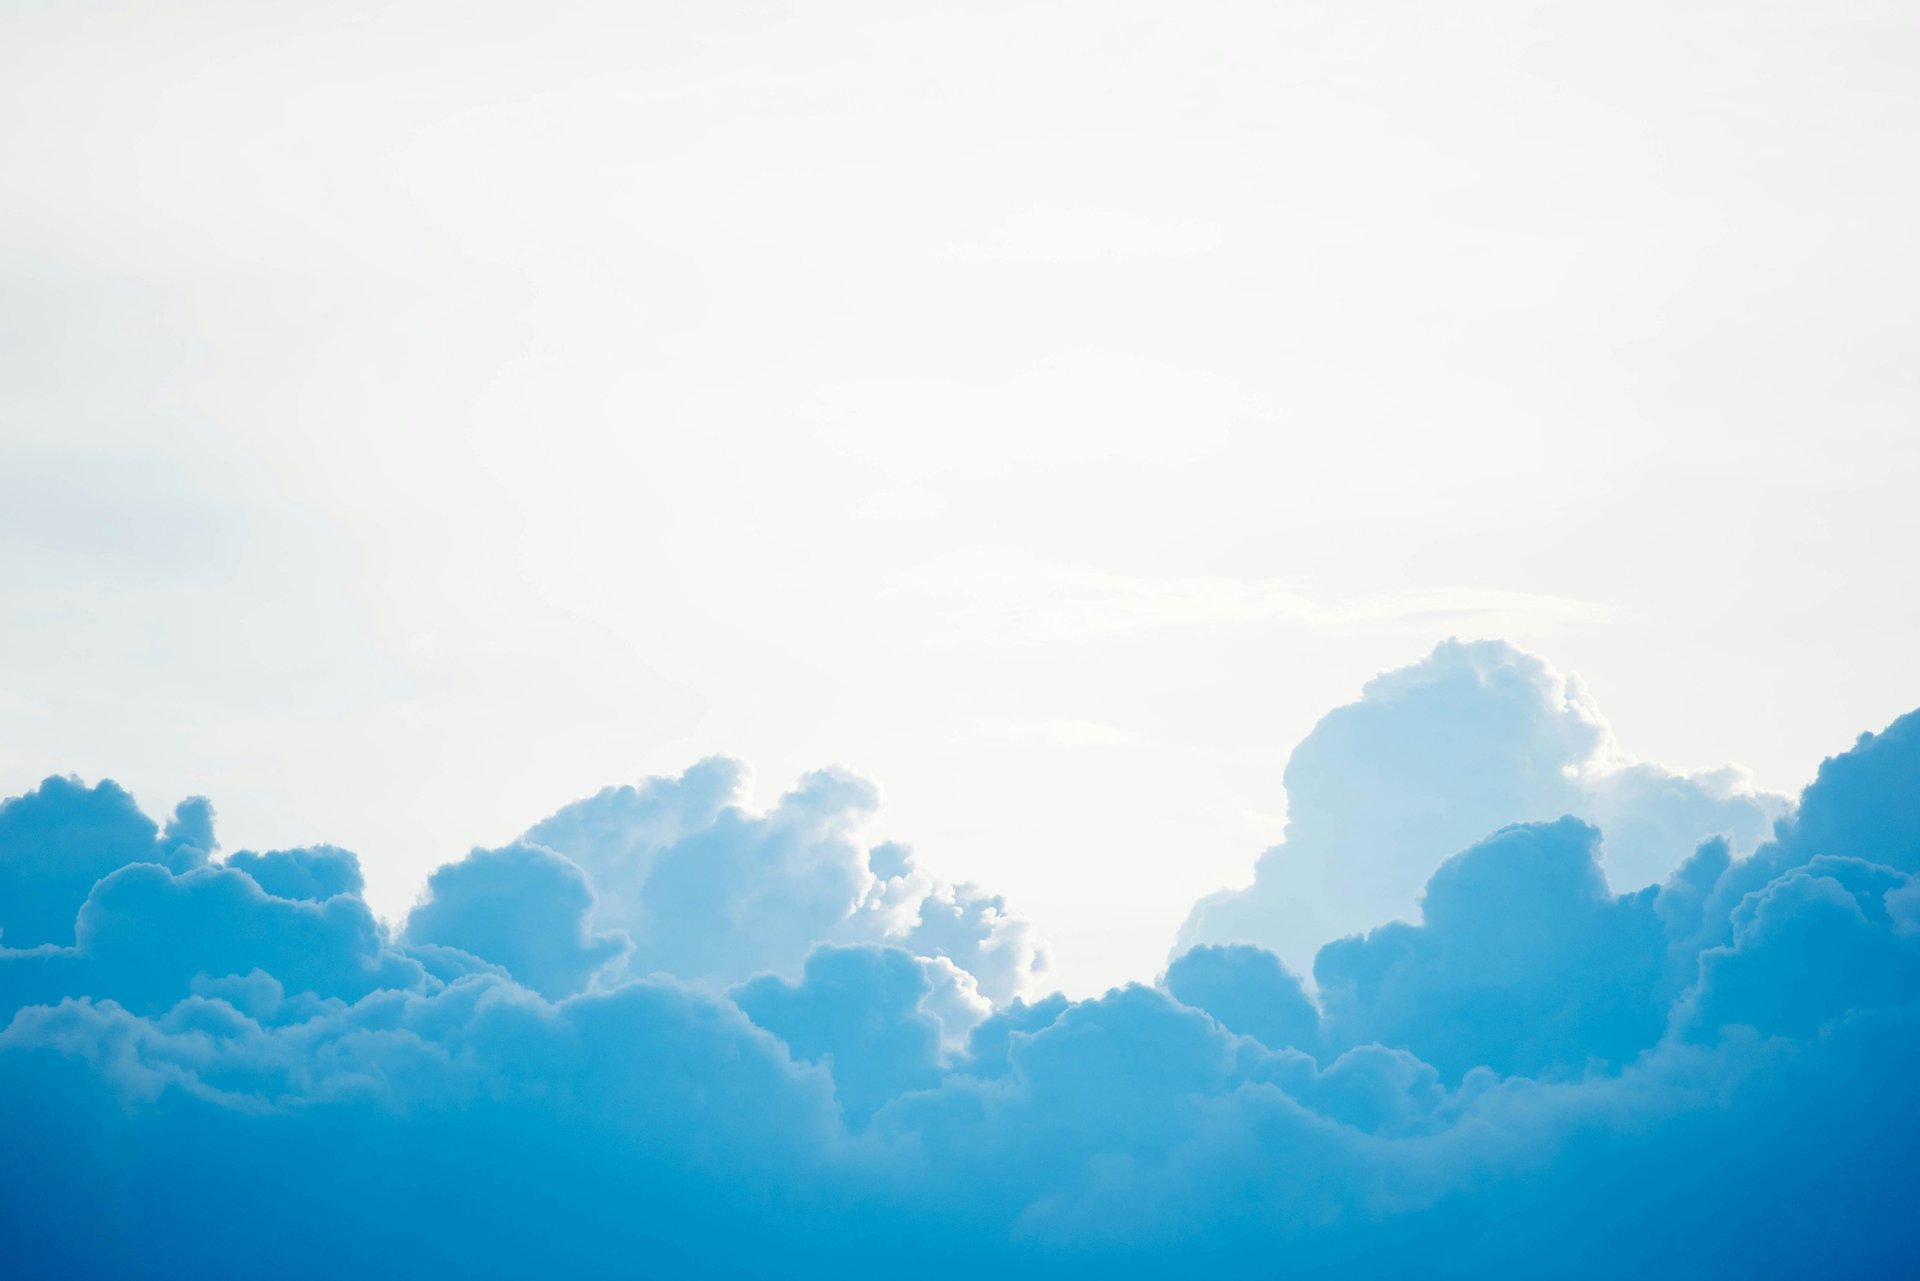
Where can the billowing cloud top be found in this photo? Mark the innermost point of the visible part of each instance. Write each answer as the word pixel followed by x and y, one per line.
pixel 1438 754
pixel 662 1035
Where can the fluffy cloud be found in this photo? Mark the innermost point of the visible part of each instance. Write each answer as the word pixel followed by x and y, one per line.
pixel 317 873
pixel 1249 992
pixel 524 908
pixel 713 893
pixel 223 1069
pixel 880 1019
pixel 1523 962
pixel 63 837
pixel 1434 756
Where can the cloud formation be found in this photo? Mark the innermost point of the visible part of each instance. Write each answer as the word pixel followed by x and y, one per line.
pixel 714 894
pixel 662 1034
pixel 1433 757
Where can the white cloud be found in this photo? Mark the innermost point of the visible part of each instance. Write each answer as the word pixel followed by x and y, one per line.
pixel 1432 757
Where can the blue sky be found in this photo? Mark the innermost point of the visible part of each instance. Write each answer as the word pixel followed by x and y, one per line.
pixel 1049 635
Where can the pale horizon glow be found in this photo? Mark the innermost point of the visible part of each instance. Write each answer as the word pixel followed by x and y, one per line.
pixel 416 417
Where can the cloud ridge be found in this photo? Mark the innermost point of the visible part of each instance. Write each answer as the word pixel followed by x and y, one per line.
pixel 661 1034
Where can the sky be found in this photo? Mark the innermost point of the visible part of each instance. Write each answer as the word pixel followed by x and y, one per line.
pixel 1069 640
pixel 414 418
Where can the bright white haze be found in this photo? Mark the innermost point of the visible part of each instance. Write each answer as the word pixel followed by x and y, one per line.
pixel 416 416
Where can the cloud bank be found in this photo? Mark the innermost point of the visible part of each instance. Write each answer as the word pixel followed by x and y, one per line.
pixel 1435 756
pixel 662 1035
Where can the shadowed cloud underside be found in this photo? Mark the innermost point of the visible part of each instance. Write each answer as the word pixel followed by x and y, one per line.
pixel 1504 1002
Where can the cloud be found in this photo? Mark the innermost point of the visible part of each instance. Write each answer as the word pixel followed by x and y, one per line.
pixel 1524 961
pixel 63 837
pixel 713 893
pixel 317 873
pixel 146 936
pixel 524 908
pixel 877 1016
pixel 1436 755
pixel 1249 992
pixel 1537 1071
pixel 1807 947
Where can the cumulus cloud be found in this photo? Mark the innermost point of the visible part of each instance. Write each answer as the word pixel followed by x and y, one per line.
pixel 316 873
pixel 881 1019
pixel 712 892
pixel 63 837
pixel 579 1056
pixel 523 907
pixel 1249 991
pixel 1523 961
pixel 1434 756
